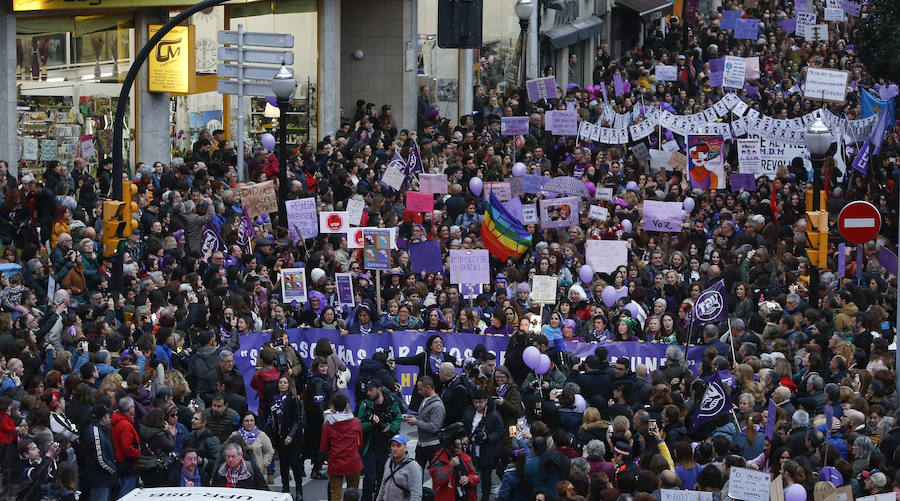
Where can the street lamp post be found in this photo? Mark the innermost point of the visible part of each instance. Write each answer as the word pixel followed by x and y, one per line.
pixel 283 86
pixel 818 139
pixel 524 9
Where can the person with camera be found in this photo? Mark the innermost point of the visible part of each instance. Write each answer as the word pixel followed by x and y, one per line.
pixel 157 449
pixel 286 359
pixel 380 417
pixel 402 477
pixel 315 400
pixel 35 470
pixel 485 437
pixel 452 475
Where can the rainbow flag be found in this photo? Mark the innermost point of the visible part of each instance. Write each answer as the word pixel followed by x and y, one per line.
pixel 502 235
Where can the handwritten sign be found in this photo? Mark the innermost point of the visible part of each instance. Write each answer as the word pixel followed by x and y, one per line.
pixel 830 85
pixel 432 183
pixel 470 266
pixel 541 88
pixel 393 177
pixel 562 122
pixel 603 193
pixel 735 70
pixel 805 21
pixel 605 256
pixel 513 126
pixel 260 198
pixel 662 216
pixel 666 73
pixel 529 214
pixel 641 152
pixel 355 208
pixel 293 285
pixel 746 29
pixel 748 485
pixel 543 289
pixel 836 15
pixel 749 156
pixel 598 213
pixel 500 190
pixel 302 220
pixel 684 495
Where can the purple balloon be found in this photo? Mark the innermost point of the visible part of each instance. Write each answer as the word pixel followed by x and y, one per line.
pixel 626 225
pixel 519 169
pixel 631 186
pixel 634 309
pixel 586 273
pixel 591 188
pixel 268 141
pixel 475 185
pixel 795 492
pixel 531 357
pixel 544 365
pixel 689 204
pixel 580 403
pixel 608 295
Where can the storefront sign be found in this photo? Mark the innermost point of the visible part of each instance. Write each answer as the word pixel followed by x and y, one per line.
pixel 171 64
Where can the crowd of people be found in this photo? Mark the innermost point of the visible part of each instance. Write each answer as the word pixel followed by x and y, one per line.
pixel 103 392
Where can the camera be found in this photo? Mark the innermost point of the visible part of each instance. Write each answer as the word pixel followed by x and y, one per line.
pixel 278 343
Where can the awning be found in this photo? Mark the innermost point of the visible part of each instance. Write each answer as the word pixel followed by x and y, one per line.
pixel 568 34
pixel 645 7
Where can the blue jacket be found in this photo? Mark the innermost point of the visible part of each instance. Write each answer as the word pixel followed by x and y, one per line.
pixel 99 455
pixel 513 488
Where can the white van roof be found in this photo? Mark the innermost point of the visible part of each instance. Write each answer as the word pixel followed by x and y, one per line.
pixel 203 494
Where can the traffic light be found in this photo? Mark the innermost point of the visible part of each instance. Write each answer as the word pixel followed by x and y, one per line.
pixel 119 219
pixel 459 24
pixel 817 238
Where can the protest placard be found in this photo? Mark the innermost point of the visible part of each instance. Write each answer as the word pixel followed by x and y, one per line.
pixel 830 85
pixel 666 73
pixel 470 266
pixel 598 213
pixel 393 177
pixel 293 285
pixel 302 218
pixel 641 152
pixel 355 208
pixel 259 198
pixel 513 126
pixel 748 485
pixel 516 184
pixel 817 32
pixel 805 21
pixel 776 489
pixel 541 88
pixel 432 183
pixel 529 214
pixel 560 212
pixel 887 496
pixel 749 156
pixel 532 183
pixel 659 159
pixel 678 161
pixel 746 182
pixel 333 222
pixel 562 122
pixel 746 29
pixel 603 193
pixel 851 7
pixel 663 216
pixel 836 15
pixel 543 289
pixel 605 256
pixel 376 248
pixel 501 190
pixel 426 256
pixel 684 495
pixel 618 84
pixel 423 202
pixel 735 70
pixel 729 19
pixel 789 25
pixel 845 493
pixel 344 285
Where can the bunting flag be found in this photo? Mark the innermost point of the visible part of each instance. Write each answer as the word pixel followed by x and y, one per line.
pixel 714 402
pixel 711 306
pixel 212 240
pixel 245 233
pixel 502 235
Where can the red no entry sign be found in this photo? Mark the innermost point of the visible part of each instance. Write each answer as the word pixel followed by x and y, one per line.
pixel 859 222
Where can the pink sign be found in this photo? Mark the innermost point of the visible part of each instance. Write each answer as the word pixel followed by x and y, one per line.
pixel 419 201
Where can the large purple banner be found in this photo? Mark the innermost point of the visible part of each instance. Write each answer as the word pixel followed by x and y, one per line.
pixel 357 347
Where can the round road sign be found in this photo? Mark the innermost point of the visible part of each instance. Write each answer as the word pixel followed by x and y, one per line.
pixel 859 222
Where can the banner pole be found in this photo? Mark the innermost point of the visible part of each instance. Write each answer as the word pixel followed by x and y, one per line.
pixel 731 341
pixel 378 291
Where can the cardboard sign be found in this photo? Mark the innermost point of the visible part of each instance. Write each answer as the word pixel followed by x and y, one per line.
pixel 598 213
pixel 605 256
pixel 776 489
pixel 293 285
pixel 666 73
pixel 836 15
pixel 260 198
pixel 663 216
pixel 470 266
pixel 393 177
pixel 684 495
pixel 516 185
pixel 560 212
pixel 603 193
pixel 749 156
pixel 529 214
pixel 641 152
pixel 678 161
pixel 543 289
pixel 562 122
pixel 744 484
pixel 541 88
pixel 355 208
pixel 845 493
pixel 513 126
pixel 432 183
pixel 344 285
pixel 829 85
pixel 501 190
pixel 334 222
pixel 302 221
pixel 887 496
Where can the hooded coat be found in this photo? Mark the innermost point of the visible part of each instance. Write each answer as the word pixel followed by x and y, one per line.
pixel 342 439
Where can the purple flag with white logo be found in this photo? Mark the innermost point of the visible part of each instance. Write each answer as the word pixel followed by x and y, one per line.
pixel 212 241
pixel 413 163
pixel 770 421
pixel 245 232
pixel 711 306
pixel 714 403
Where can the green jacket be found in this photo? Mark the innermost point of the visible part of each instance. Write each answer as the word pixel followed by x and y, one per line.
pixel 367 410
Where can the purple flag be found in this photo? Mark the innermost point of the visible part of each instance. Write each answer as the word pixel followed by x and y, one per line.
pixel 245 230
pixel 743 181
pixel 861 162
pixel 729 19
pixel 212 240
pixel 711 306
pixel 714 402
pixel 770 421
pixel 618 84
pixel 888 260
pixel 842 260
pixel 426 256
pixel 413 163
pixel 801 5
pixel 603 89
pixel 788 25
pixel 829 419
pixel 514 207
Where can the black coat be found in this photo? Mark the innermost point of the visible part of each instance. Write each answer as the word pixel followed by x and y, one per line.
pixel 173 479
pixel 457 396
pixel 207 446
pixel 596 387
pixel 256 481
pixel 99 457
pixel 421 361
pixel 488 435
pixel 291 422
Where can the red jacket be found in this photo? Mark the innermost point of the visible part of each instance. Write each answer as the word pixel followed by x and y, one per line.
pixel 342 439
pixel 261 377
pixel 7 429
pixel 443 477
pixel 125 439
